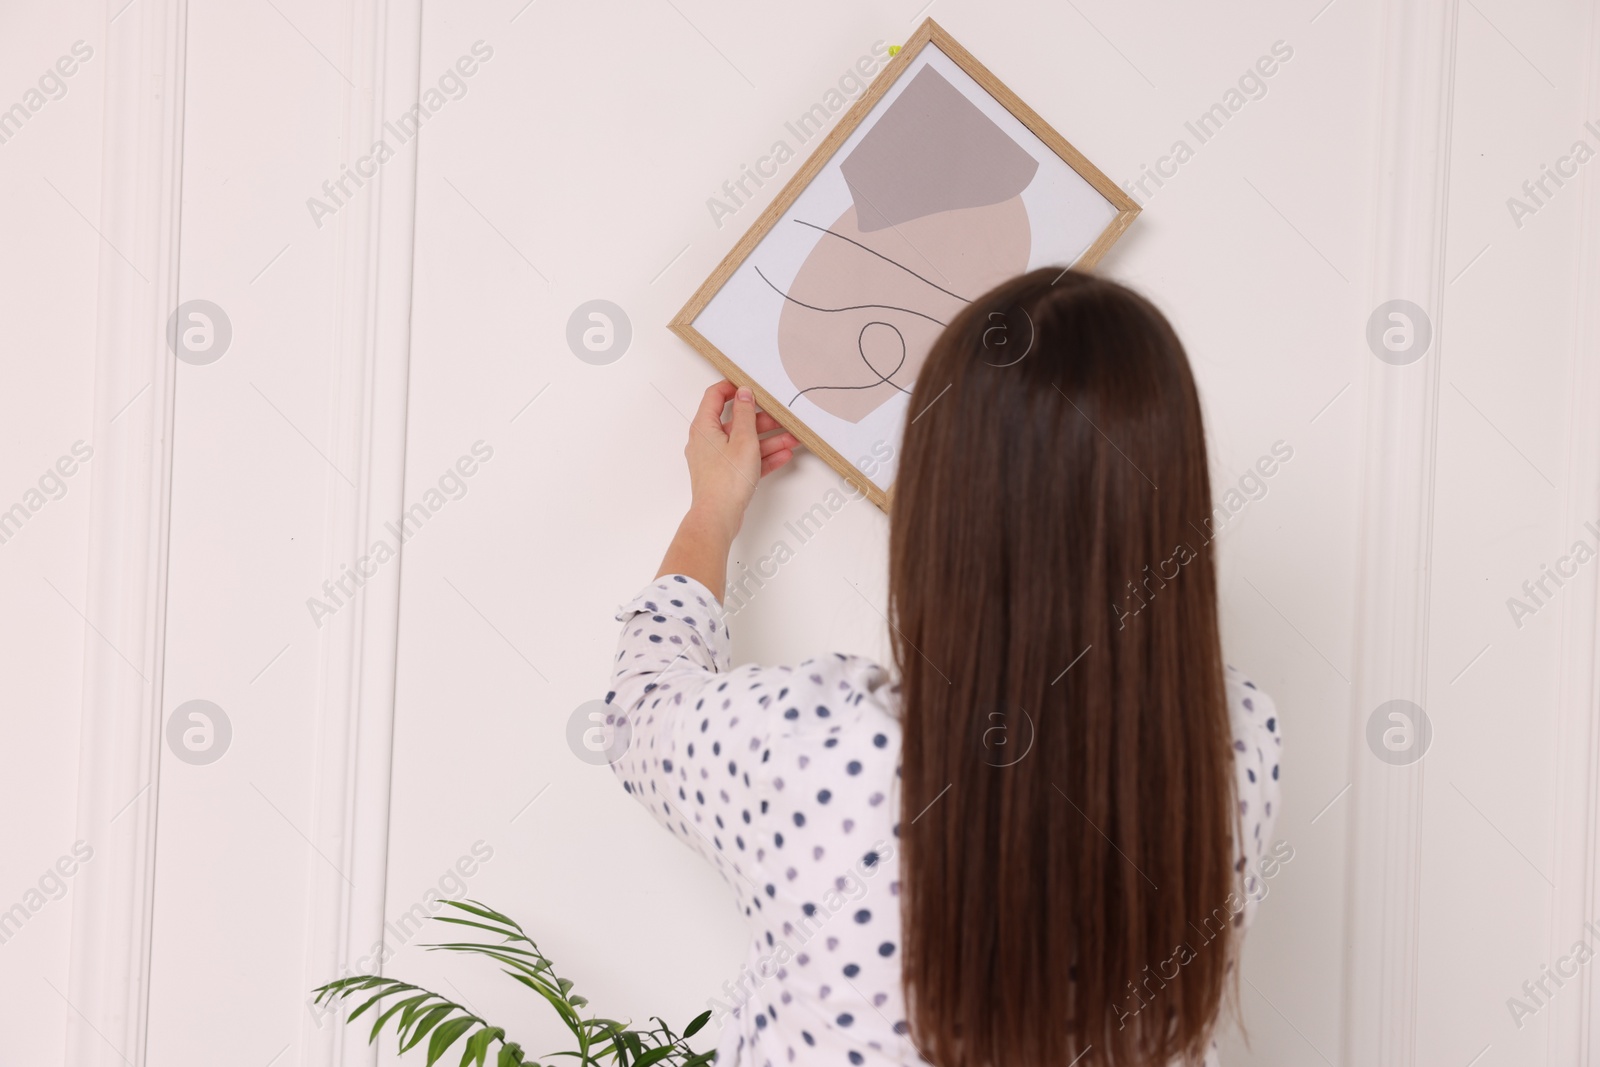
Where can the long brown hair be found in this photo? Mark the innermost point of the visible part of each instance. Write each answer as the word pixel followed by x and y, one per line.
pixel 1067 807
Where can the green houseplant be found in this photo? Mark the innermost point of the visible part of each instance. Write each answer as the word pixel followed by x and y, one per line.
pixel 417 1014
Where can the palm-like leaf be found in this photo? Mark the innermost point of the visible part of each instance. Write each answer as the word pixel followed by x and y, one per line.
pixel 420 1013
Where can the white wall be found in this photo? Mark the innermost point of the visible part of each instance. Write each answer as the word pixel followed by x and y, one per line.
pixel 372 752
pixel 1262 312
pixel 49 171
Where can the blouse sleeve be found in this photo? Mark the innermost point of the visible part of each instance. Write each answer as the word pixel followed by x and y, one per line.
pixel 1257 741
pixel 697 737
pixel 670 627
pixel 672 663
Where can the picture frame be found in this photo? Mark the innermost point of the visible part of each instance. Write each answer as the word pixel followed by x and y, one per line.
pixel 730 316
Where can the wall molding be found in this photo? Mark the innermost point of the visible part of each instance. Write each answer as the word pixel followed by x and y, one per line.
pixel 118 781
pixel 358 649
pixel 140 198
pixel 1396 533
pixel 1575 1015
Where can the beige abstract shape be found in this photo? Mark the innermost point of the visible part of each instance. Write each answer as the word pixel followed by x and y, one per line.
pixel 866 305
pixel 937 218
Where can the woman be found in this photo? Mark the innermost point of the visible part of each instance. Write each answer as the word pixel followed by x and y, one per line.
pixel 1035 841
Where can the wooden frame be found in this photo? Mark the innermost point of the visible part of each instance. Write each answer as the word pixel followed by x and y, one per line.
pixel 929 33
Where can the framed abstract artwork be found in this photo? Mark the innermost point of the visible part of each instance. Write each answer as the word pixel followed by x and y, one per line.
pixel 936 185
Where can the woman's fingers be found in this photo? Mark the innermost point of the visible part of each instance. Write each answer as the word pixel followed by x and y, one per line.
pixel 764 423
pixel 709 415
pixel 779 442
pixel 775 460
pixel 742 432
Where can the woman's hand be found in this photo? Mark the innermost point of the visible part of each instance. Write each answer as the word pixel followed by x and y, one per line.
pixel 726 460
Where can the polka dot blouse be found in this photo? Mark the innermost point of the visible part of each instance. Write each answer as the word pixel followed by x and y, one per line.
pixel 785 780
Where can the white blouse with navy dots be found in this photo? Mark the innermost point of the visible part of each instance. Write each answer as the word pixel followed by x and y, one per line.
pixel 785 779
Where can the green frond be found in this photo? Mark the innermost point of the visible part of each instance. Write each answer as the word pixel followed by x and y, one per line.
pixel 419 1014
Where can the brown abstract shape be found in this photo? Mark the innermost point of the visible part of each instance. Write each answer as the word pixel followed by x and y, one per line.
pixel 932 151
pixel 867 304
